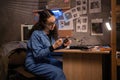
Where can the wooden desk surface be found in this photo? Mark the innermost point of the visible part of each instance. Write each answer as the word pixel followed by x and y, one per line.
pixel 81 65
pixel 89 51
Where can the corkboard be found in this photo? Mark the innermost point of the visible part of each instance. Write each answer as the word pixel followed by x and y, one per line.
pixel 65 33
pixel 58 4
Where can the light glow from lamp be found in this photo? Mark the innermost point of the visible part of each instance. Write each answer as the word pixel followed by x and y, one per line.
pixel 108 26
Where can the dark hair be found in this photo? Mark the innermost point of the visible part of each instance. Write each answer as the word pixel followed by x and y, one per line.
pixel 41 24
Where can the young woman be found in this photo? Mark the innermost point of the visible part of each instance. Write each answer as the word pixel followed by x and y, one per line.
pixel 43 41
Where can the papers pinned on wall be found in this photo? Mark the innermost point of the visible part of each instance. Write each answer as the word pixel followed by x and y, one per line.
pixel 81 6
pixel 82 24
pixel 94 6
pixel 65 25
pixel 97 27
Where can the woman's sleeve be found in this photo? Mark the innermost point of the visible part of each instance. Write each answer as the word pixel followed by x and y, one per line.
pixel 37 47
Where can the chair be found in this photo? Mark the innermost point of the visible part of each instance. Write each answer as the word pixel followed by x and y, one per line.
pixel 16 69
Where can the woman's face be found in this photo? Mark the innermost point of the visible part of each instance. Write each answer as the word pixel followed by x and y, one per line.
pixel 51 23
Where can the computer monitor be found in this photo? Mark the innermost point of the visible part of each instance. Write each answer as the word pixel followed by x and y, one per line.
pixel 24 31
pixel 57 13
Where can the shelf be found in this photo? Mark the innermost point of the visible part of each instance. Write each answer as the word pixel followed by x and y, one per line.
pixel 114 62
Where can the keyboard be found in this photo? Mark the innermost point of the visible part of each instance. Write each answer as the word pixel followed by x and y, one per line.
pixel 79 47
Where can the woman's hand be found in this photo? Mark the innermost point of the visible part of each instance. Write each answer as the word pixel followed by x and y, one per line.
pixel 58 43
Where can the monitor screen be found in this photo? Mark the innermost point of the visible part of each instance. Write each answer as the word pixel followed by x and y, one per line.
pixel 24 31
pixel 57 13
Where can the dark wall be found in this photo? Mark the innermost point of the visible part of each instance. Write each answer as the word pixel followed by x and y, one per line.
pixel 13 13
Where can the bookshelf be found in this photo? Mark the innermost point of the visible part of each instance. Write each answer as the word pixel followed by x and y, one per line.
pixel 115 9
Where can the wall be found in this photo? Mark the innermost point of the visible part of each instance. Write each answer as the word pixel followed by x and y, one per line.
pixel 89 39
pixel 13 13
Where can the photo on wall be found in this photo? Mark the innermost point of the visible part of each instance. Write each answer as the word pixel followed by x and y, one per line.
pixel 82 24
pixel 67 16
pixel 65 25
pixel 97 27
pixel 81 6
pixel 79 10
pixel 94 6
pixel 84 6
pixel 74 12
pixel 25 31
pixel 70 14
pixel 84 9
pixel 78 2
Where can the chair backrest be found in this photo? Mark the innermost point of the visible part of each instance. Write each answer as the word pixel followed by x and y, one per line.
pixel 17 57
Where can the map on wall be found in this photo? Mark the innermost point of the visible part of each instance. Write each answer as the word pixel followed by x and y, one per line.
pixel 58 4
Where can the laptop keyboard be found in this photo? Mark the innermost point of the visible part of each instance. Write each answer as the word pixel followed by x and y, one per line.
pixel 79 47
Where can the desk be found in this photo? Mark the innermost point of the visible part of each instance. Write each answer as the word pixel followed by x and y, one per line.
pixel 82 64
